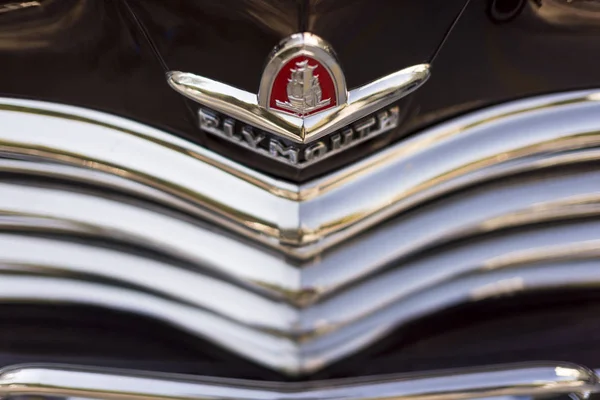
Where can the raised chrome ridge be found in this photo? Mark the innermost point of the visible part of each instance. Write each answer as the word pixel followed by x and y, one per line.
pixel 518 381
pixel 210 309
pixel 223 227
pixel 304 220
pixel 567 195
pixel 244 106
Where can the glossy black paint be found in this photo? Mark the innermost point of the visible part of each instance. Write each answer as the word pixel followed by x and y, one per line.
pixel 376 38
pixel 85 53
pixel 542 49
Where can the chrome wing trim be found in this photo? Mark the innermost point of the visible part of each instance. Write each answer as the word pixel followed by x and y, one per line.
pixel 244 106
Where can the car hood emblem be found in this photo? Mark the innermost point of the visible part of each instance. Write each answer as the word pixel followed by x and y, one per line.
pixel 303 111
pixel 302 78
pixel 303 90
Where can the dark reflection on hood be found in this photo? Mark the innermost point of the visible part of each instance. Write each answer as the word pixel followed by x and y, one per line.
pixel 86 53
pixel 271 16
pixel 225 40
pixel 571 14
pixel 43 24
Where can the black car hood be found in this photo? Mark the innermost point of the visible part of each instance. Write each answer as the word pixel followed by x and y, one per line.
pixel 113 55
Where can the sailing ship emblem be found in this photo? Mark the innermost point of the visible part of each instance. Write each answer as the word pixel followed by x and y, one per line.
pixel 303 90
pixel 304 85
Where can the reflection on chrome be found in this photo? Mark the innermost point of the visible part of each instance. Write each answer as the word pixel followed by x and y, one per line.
pixel 516 381
pixel 245 106
pixel 338 262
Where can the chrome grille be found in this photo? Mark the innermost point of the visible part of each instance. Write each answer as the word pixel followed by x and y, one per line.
pixel 295 277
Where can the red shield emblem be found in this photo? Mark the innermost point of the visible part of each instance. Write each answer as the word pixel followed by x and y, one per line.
pixel 302 79
pixel 303 87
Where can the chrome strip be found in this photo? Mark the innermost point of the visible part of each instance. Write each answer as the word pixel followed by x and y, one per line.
pixel 35 278
pixel 526 201
pixel 317 215
pixel 573 243
pixel 176 282
pixel 53 132
pixel 533 380
pixel 191 241
pixel 47 256
pixel 469 150
pixel 43 288
pixel 330 347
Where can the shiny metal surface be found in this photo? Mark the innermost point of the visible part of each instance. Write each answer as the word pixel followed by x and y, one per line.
pixel 98 56
pixel 561 196
pixel 127 149
pixel 463 152
pixel 528 201
pixel 314 216
pixel 40 288
pixel 569 242
pixel 373 326
pixel 507 381
pixel 129 78
pixel 186 240
pixel 48 257
pixel 248 108
pixel 63 272
pixel 228 236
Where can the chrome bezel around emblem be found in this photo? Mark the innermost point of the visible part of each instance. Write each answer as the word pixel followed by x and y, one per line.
pixel 301 44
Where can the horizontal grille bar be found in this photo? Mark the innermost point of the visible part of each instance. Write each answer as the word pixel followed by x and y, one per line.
pixel 532 380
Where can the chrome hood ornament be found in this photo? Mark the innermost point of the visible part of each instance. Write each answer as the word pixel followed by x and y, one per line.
pixel 302 78
pixel 303 112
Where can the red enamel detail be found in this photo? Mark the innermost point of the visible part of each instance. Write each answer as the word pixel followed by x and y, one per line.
pixel 279 90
